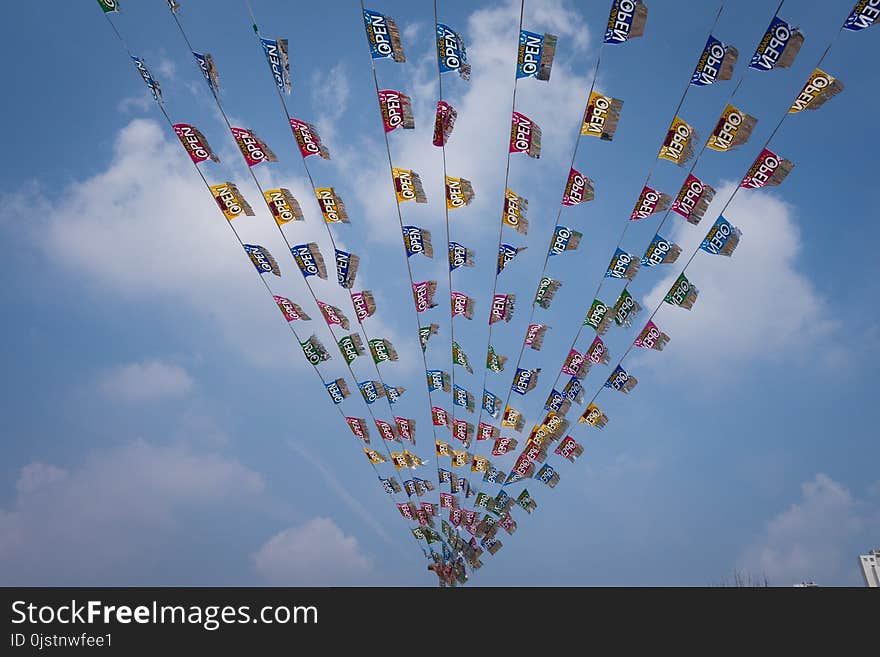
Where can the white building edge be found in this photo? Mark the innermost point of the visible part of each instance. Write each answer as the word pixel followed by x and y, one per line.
pixel 870 564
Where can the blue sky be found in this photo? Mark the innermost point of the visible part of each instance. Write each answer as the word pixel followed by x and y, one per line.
pixel 161 426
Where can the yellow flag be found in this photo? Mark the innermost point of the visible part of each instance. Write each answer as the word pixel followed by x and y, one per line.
pixel 231 201
pixel 601 116
pixel 593 416
pixel 479 464
pixel 374 456
pixel 819 88
pixel 459 192
pixel 332 206
pixel 511 418
pixel 733 129
pixel 678 146
pixel 408 186
pixel 283 206
pixel 515 207
pixel 399 460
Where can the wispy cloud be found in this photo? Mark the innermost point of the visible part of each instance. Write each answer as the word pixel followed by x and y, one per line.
pixel 92 523
pixel 347 498
pixel 146 381
pixel 816 539
pixel 330 91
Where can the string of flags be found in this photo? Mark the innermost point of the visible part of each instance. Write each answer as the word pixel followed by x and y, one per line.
pixel 470 474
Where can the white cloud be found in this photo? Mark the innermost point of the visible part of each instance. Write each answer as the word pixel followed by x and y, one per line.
pixel 817 539
pixel 37 475
pixel 316 553
pixel 411 32
pixel 92 524
pixel 166 69
pixel 624 466
pixel 145 227
pixel 140 103
pixel 754 305
pixel 477 149
pixel 557 18
pixel 149 380
pixel 330 90
pixel 204 425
